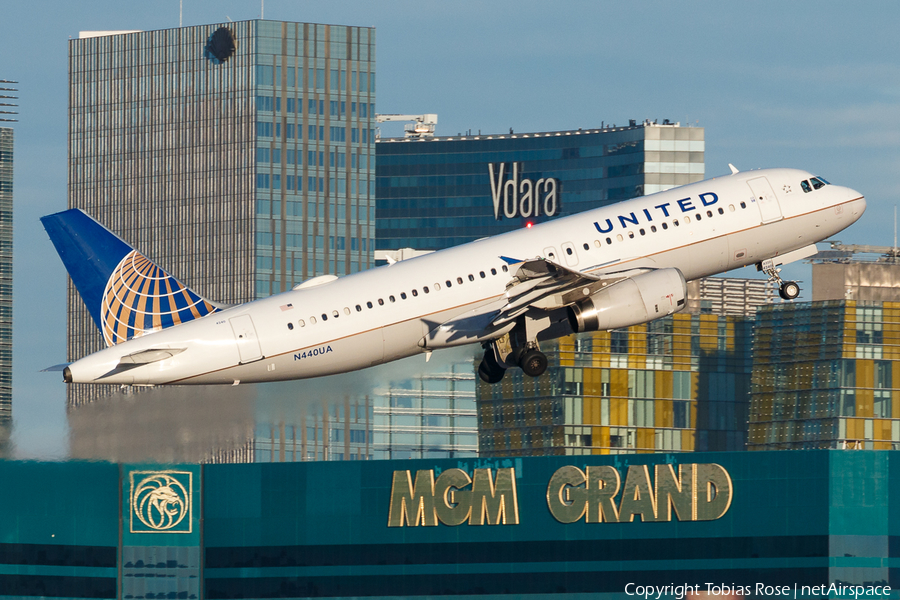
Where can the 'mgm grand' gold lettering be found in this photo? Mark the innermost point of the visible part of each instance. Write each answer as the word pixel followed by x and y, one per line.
pixel 427 502
pixel 697 492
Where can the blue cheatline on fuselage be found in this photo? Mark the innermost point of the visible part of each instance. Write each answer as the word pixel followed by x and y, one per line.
pixel 126 294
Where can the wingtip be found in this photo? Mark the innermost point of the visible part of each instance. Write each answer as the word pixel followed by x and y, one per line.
pixel 733 168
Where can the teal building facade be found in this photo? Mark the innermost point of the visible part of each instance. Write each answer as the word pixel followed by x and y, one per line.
pixel 543 527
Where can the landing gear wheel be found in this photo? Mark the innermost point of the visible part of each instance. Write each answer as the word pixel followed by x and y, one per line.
pixel 489 371
pixel 789 290
pixel 533 363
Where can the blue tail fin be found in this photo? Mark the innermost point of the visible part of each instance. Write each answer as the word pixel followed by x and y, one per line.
pixel 126 294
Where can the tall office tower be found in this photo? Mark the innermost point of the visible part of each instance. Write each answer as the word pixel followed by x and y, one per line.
pixel 238 156
pixel 6 295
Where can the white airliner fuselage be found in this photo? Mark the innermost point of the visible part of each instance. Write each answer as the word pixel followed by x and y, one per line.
pixel 396 311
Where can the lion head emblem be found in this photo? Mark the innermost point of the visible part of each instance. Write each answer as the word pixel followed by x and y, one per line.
pixel 160 502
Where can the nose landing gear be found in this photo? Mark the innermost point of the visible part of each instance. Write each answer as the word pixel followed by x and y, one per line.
pixel 788 290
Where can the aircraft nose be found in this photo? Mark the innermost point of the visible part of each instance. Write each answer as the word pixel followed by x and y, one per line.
pixel 858 206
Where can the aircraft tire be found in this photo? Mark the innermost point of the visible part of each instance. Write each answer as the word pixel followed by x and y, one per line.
pixel 789 290
pixel 489 371
pixel 533 363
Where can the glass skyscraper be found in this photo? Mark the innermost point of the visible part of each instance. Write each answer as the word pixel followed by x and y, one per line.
pixel 439 192
pixel 679 383
pixel 239 156
pixel 826 375
pixel 6 285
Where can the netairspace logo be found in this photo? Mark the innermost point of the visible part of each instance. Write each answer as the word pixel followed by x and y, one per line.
pixel 834 590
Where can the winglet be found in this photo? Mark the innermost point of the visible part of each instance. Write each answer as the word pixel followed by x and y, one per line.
pixel 733 168
pixel 511 261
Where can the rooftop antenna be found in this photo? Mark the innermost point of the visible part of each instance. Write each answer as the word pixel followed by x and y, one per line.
pixel 262 9
pixel 180 12
pixel 895 229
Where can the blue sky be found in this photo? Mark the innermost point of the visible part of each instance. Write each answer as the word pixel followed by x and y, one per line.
pixel 811 85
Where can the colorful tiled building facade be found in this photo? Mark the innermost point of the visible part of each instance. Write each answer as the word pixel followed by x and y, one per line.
pixel 677 384
pixel 826 375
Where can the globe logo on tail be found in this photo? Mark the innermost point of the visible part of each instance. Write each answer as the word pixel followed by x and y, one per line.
pixel 140 298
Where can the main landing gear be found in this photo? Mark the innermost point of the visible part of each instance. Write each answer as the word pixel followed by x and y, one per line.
pixel 788 290
pixel 530 359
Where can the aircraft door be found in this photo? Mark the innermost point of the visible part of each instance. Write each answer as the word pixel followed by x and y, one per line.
pixel 246 338
pixel 764 196
pixel 570 254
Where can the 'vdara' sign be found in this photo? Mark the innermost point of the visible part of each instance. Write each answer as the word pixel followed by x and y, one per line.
pixel 695 492
pixel 522 197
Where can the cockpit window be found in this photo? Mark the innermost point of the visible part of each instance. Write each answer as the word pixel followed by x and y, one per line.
pixel 806 187
pixel 823 180
pixel 816 183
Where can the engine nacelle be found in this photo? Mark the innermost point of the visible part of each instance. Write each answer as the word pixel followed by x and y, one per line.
pixel 632 301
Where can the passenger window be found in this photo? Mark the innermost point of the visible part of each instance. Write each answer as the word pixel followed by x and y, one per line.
pixel 731 207
pixel 301 323
pixel 369 304
pixel 336 314
pixel 698 215
pixel 482 274
pixel 392 299
pixel 505 268
pixel 608 241
pixel 358 308
pixel 687 219
pixel 597 243
pixel 619 237
pixel 459 280
pixel 743 205
pixel 448 283
pixel 291 326
pixel 721 211
pixel 642 231
pixel 380 302
pixel 493 271
pixel 709 214
pixel 437 287
pixel 403 295
pixel 471 277
pixel 653 228
pixel 665 225
pixel 675 222
pixel 586 247
pixel 312 320
pixel 415 293
pixel 631 235
pixel 324 317
pixel 569 251
pixel 425 289
pixel 551 255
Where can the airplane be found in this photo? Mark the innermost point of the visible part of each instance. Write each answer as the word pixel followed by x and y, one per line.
pixel 602 269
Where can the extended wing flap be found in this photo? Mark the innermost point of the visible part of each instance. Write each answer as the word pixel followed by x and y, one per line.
pixel 543 284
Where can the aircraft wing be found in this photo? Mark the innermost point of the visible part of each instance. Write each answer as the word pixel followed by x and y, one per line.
pixel 544 284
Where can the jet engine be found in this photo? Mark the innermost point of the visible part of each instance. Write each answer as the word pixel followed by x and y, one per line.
pixel 632 301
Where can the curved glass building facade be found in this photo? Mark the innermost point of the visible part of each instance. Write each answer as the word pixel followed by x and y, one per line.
pixel 439 192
